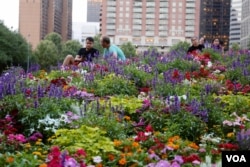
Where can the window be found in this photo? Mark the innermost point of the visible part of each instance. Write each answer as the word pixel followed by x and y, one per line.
pixel 173 9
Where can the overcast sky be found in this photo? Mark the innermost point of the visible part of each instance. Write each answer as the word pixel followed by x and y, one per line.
pixel 9 10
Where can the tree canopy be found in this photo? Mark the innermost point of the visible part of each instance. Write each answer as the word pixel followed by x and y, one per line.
pixel 14 49
pixel 129 49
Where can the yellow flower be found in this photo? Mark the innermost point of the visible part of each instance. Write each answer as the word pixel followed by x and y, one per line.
pixel 43 165
pixel 38 143
pixel 122 161
pixel 27 145
pixel 37 153
pixel 230 135
pixel 10 159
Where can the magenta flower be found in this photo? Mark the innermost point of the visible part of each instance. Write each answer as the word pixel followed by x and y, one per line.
pixel 71 162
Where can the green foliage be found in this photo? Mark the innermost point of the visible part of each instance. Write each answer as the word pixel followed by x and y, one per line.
pixel 129 49
pixel 92 140
pixel 192 128
pixel 139 77
pixel 180 64
pixel 182 45
pixel 56 39
pixel 106 121
pixel 46 54
pixel 13 48
pixel 235 47
pixel 97 44
pixel 114 85
pixel 129 103
pixel 20 159
pixel 235 103
pixel 71 47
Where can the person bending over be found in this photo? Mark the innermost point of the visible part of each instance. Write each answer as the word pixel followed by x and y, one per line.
pixel 84 54
pixel 111 50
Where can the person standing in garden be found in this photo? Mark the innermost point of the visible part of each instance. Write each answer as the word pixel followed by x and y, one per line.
pixel 196 45
pixel 217 46
pixel 111 50
pixel 84 54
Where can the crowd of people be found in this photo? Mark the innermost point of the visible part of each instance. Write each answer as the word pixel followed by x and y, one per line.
pixel 88 53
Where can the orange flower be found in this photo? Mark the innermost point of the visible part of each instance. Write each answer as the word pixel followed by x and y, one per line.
pixel 194 146
pixel 129 154
pixel 99 165
pixel 134 165
pixel 173 139
pixel 135 144
pixel 122 161
pixel 43 165
pixel 111 157
pixel 174 146
pixel 117 143
pixel 164 156
pixel 127 118
pixel 10 159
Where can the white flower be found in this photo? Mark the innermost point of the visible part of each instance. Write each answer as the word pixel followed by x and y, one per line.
pixel 184 97
pixel 209 64
pixel 186 82
pixel 147 133
pixel 97 159
pixel 217 72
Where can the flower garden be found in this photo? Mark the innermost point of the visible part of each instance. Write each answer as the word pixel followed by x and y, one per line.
pixel 154 110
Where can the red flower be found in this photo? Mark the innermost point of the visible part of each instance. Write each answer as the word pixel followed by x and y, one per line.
pixel 141 137
pixel 191 158
pixel 188 76
pixel 228 146
pixel 80 152
pixel 175 74
pixel 149 128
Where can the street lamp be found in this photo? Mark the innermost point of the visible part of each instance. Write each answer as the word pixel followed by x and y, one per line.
pixel 28 56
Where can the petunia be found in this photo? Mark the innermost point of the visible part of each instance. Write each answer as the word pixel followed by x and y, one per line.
pixel 97 159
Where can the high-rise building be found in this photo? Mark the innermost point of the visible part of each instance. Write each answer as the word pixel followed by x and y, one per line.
pixel 245 24
pixel 155 22
pixel 37 18
pixel 215 20
pixel 235 22
pixel 93 10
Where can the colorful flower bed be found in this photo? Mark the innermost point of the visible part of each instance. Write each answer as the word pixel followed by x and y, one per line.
pixel 154 110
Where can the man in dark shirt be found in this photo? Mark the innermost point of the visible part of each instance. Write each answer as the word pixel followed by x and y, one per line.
pixel 84 54
pixel 196 45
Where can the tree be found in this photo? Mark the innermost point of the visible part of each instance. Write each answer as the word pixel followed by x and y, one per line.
pixel 46 54
pixel 14 48
pixel 129 49
pixel 71 47
pixel 56 39
pixel 182 45
pixel 97 44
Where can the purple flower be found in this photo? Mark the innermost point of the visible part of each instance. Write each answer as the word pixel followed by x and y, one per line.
pixel 154 156
pixel 163 163
pixel 175 164
pixel 178 159
pixel 71 162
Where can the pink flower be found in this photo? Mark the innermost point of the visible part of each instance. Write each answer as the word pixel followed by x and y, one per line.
pixel 20 138
pixel 196 162
pixel 226 122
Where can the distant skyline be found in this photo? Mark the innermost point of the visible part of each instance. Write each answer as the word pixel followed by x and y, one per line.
pixel 9 11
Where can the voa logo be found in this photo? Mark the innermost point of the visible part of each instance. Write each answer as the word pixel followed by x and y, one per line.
pixel 236 158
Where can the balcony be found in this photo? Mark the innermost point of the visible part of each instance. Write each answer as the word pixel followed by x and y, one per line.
pixel 150 33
